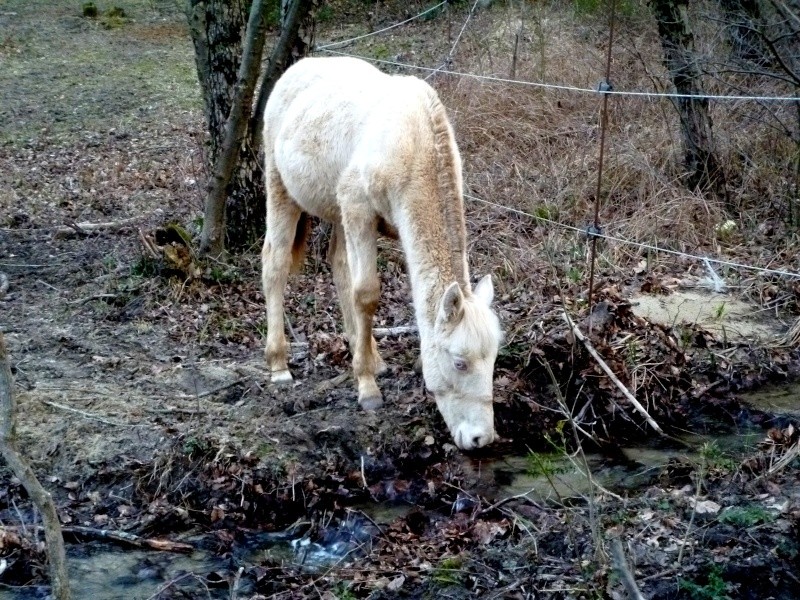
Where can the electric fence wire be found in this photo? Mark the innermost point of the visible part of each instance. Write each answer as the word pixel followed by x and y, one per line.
pixel 343 43
pixel 567 88
pixel 642 245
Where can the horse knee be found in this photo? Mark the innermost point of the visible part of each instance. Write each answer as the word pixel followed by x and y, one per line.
pixel 366 295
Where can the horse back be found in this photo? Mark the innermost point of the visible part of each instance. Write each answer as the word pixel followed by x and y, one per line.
pixel 334 118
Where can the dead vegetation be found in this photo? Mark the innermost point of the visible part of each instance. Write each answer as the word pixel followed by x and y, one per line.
pixel 140 374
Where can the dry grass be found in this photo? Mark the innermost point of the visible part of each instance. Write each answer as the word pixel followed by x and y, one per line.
pixel 536 150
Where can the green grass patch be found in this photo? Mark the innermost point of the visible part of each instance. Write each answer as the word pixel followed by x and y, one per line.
pixel 746 516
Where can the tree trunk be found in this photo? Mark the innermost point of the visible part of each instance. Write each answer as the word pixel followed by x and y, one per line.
pixel 19 466
pixel 677 42
pixel 231 150
pixel 235 207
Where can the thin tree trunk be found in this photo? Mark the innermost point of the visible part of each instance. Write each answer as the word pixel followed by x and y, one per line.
pixel 291 45
pixel 229 153
pixel 677 42
pixel 20 467
pixel 235 218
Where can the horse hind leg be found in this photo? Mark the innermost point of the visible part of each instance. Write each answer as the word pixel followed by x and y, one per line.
pixel 337 254
pixel 283 217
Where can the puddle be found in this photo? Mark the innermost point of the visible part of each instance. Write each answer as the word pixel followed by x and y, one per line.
pixel 316 549
pixel 725 315
pixel 522 474
pixel 782 400
pixel 103 572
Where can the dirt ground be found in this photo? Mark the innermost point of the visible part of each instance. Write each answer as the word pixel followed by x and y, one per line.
pixel 145 407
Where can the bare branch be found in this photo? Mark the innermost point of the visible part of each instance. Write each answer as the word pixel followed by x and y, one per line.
pixel 20 467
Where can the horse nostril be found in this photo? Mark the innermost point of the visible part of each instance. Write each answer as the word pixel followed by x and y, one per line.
pixel 477 441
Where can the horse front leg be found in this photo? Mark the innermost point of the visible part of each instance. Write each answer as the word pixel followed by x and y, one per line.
pixel 283 216
pixel 360 231
pixel 337 253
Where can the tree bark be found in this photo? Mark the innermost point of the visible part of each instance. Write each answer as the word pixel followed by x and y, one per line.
pixel 228 57
pixel 292 44
pixel 677 41
pixel 231 151
pixel 20 467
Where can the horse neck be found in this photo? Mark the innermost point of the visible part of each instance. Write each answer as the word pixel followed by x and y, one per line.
pixel 432 228
pixel 433 260
pixel 449 182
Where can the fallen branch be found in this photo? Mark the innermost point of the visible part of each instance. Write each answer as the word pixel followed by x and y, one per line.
pixel 384 332
pixel 72 229
pixel 129 539
pixel 22 470
pixel 624 572
pixel 499 503
pixel 3 284
pixel 636 404
pixel 91 298
pixel 149 245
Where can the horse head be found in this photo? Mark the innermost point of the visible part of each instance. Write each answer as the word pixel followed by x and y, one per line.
pixel 458 362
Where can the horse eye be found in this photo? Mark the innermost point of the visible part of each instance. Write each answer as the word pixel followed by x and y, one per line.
pixel 460 364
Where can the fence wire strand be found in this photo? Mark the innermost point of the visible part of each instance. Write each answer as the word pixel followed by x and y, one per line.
pixel 565 88
pixel 347 42
pixel 331 49
pixel 642 245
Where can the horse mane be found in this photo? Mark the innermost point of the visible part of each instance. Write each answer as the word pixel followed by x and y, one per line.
pixel 452 200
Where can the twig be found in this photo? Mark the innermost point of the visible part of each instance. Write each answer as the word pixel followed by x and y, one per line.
pixel 178 579
pixel 175 410
pixel 90 298
pixel 631 398
pixel 86 228
pixel 84 413
pixel 237 580
pixel 621 566
pixel 45 284
pixel 215 390
pixel 149 245
pixel 22 470
pixel 363 476
pixel 123 537
pixel 500 503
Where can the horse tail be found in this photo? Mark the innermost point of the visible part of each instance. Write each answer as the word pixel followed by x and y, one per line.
pixel 299 244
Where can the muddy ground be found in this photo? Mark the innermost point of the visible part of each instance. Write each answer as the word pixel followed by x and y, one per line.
pixel 145 407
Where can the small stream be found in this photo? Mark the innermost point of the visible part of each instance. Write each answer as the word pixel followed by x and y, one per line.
pixel 100 571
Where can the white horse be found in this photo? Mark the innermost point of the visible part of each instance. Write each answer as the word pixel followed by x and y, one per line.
pixel 371 153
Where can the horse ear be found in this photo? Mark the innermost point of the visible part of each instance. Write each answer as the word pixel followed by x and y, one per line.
pixel 451 307
pixel 485 290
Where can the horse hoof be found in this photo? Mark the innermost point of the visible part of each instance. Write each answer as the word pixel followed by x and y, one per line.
pixel 371 403
pixel 281 377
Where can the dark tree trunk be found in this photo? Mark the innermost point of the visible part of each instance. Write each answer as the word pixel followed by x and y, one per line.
pixel 677 41
pixel 218 30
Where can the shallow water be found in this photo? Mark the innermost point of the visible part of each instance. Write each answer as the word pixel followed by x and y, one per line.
pixel 773 399
pixel 566 477
pixel 104 572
